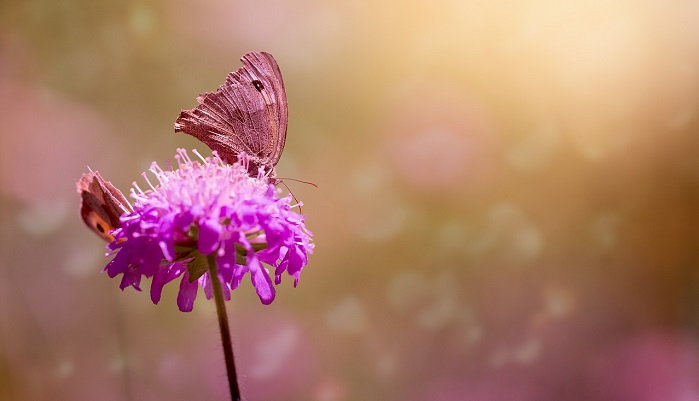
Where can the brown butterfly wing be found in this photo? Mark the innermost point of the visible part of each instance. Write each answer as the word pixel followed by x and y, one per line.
pixel 101 204
pixel 248 113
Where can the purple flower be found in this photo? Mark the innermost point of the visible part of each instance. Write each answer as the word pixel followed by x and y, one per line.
pixel 208 210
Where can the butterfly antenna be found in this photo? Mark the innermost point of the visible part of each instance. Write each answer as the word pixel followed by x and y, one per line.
pixel 292 195
pixel 294 179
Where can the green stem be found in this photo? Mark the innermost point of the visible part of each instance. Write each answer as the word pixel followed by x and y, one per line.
pixel 223 326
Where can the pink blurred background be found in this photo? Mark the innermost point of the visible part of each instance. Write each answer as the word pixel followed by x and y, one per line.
pixel 508 201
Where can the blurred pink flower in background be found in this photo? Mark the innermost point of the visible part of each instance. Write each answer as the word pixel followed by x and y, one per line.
pixel 437 138
pixel 278 349
pixel 51 131
pixel 652 366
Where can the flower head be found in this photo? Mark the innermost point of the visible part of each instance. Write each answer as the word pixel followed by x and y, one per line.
pixel 208 210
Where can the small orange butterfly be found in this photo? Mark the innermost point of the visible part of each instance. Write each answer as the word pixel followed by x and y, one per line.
pixel 101 204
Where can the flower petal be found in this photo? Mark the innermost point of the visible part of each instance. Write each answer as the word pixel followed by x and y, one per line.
pixel 187 294
pixel 209 234
pixel 261 281
pixel 119 264
pixel 156 287
pixel 163 276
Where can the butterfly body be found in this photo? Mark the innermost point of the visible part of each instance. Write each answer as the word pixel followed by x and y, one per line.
pixel 247 114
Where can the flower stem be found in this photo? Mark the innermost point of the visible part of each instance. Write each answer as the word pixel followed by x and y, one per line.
pixel 223 326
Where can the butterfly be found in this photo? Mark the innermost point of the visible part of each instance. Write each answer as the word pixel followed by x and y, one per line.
pixel 101 204
pixel 248 113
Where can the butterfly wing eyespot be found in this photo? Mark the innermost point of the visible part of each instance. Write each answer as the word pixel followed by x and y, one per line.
pixel 248 113
pixel 99 226
pixel 101 204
